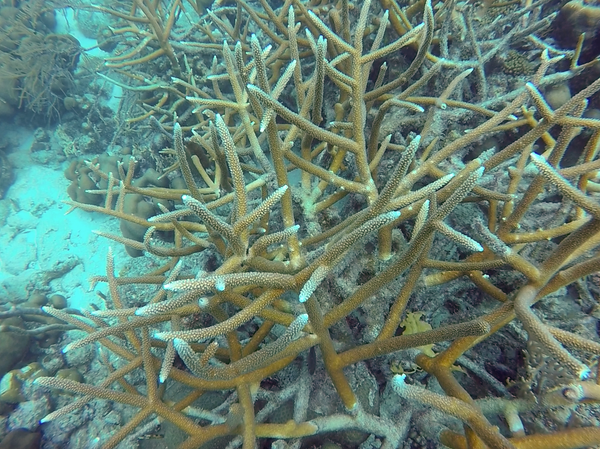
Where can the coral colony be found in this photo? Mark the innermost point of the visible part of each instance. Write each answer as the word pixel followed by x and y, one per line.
pixel 348 224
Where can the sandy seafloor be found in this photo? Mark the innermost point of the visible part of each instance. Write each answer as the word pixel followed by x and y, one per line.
pixel 35 233
pixel 41 238
pixel 38 235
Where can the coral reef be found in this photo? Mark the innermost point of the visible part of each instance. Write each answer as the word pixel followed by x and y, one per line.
pixel 378 225
pixel 36 65
pixel 579 18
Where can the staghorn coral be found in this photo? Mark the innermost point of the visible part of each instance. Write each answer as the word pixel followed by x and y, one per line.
pixel 330 222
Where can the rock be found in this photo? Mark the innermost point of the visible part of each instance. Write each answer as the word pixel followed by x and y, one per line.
pixel 21 439
pixel 575 18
